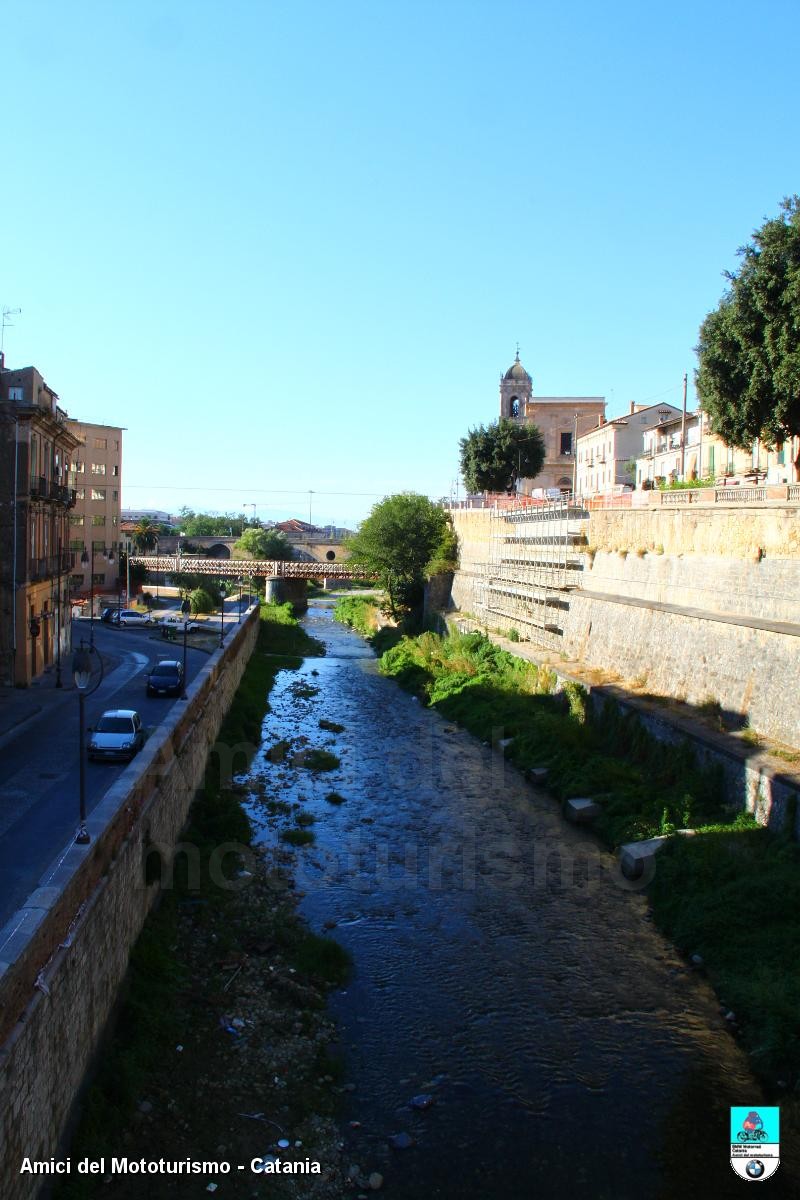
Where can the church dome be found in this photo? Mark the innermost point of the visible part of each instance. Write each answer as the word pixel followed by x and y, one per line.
pixel 517 371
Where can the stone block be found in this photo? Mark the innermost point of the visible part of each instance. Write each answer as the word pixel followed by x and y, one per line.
pixel 538 775
pixel 581 810
pixel 637 857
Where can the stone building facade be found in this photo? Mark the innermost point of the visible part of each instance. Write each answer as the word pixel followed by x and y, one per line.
pixel 561 419
pixel 36 446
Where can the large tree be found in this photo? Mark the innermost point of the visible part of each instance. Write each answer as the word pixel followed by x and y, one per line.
pixel 494 457
pixel 748 378
pixel 403 536
pixel 264 544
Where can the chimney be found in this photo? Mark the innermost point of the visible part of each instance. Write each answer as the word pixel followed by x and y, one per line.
pixel 633 407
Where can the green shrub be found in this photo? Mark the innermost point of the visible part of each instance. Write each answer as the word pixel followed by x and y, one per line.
pixel 200 601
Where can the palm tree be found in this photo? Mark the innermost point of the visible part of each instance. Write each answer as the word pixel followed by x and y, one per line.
pixel 145 534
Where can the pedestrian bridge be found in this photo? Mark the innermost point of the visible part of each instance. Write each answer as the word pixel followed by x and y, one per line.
pixel 245 568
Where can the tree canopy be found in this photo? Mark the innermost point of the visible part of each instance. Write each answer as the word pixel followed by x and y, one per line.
pixel 195 524
pixel 404 538
pixel 494 457
pixel 264 544
pixel 748 378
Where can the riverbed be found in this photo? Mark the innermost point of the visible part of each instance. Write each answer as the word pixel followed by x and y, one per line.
pixel 505 977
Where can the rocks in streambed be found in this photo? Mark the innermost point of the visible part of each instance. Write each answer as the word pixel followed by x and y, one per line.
pixel 581 810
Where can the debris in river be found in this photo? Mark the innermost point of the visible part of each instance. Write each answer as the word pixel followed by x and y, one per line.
pixel 423 1101
pixel 401 1141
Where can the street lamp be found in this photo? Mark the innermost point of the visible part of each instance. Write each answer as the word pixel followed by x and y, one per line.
pixel 241 589
pixel 186 608
pixel 82 674
pixel 155 539
pixel 222 617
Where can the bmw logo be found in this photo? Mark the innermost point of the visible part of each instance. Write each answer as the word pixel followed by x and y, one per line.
pixel 755 1168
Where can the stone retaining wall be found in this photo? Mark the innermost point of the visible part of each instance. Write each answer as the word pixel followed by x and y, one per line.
pixel 742 563
pixel 67 953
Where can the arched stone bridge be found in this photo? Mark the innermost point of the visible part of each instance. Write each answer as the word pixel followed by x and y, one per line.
pixel 236 568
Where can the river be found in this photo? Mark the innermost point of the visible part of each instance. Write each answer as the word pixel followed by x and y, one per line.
pixel 500 966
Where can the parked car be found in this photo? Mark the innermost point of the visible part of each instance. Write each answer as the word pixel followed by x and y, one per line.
pixel 130 616
pixel 118 734
pixel 175 621
pixel 165 679
pixel 107 614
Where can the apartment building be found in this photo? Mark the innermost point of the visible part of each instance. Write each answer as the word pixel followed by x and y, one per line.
pixel 96 476
pixel 607 453
pixel 707 456
pixel 36 447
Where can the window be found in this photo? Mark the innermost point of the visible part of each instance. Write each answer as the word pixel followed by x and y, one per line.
pixel 711 450
pixel 76 519
pixel 75 582
pixel 76 544
pixel 781 456
pixel 101 443
pixel 115 495
pixel 78 468
pixel 99 547
pixel 98 579
pixel 114 521
pixel 98 468
pixel 566 443
pixel 15 393
pixel 114 470
pixel 80 493
pixel 116 444
pixel 100 520
pixel 98 494
pixel 514 407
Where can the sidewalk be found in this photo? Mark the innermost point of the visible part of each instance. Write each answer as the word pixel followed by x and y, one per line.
pixel 18 706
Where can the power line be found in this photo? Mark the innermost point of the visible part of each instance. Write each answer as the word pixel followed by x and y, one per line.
pixel 170 487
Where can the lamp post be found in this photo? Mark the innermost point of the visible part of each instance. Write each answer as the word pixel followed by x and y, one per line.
pixel 58 617
pixel 241 589
pixel 186 608
pixel 85 558
pixel 82 674
pixel 155 538
pixel 222 617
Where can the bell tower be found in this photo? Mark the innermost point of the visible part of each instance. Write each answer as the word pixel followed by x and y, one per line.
pixel 516 391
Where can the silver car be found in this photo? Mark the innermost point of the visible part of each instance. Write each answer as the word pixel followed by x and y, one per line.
pixel 131 616
pixel 118 734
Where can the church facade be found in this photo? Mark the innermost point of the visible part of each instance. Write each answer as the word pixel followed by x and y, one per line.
pixel 561 419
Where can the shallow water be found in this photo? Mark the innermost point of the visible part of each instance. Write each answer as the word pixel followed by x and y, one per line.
pixel 501 965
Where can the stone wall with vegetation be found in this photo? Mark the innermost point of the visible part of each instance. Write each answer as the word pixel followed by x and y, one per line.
pixel 62 974
pixel 739 563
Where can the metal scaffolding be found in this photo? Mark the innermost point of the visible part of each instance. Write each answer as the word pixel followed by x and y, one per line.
pixel 534 561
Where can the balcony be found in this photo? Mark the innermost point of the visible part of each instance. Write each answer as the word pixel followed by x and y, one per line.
pixel 45 489
pixel 51 564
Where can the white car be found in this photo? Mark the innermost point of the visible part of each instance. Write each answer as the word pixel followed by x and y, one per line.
pixel 176 621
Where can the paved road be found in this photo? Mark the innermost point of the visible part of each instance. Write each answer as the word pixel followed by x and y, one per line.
pixel 39 765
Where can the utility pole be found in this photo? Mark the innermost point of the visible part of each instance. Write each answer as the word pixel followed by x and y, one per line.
pixel 575 459
pixel 683 431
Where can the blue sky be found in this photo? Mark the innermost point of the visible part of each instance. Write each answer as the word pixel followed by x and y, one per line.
pixel 292 246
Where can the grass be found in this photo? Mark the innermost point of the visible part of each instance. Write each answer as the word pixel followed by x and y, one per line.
pixel 645 784
pixel 730 894
pixel 362 614
pixel 331 726
pixel 298 837
pixel 317 760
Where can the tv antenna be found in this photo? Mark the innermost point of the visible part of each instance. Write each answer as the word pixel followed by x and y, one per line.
pixel 7 324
